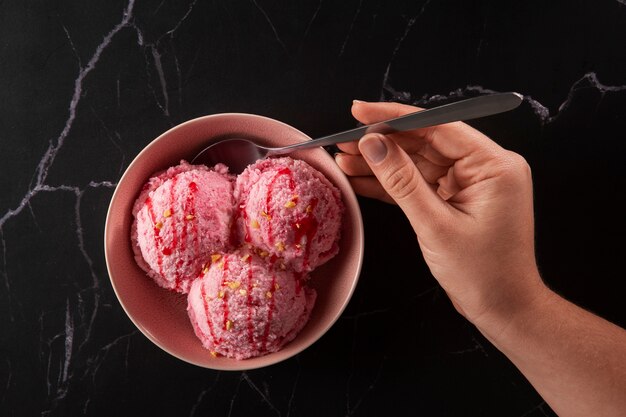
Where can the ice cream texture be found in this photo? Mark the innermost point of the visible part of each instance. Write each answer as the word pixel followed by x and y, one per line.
pixel 182 216
pixel 247 306
pixel 290 210
pixel 241 248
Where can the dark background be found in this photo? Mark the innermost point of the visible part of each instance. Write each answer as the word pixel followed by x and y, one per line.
pixel 85 85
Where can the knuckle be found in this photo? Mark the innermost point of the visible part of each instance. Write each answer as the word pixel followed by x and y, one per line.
pixel 516 164
pixel 401 182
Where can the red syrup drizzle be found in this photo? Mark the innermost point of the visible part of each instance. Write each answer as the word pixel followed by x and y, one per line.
pixel 249 302
pixel 307 226
pixel 206 314
pixel 225 297
pixel 270 307
pixel 188 208
pixel 158 239
pixel 191 209
pixel 244 214
pixel 168 251
pixel 270 190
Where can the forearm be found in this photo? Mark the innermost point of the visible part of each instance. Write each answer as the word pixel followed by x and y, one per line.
pixel 574 359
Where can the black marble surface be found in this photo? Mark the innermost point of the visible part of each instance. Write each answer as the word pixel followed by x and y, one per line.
pixel 84 85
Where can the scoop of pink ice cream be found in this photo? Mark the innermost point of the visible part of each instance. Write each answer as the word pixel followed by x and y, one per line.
pixel 289 209
pixel 246 306
pixel 181 217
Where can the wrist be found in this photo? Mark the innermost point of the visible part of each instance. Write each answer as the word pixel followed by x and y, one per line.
pixel 526 305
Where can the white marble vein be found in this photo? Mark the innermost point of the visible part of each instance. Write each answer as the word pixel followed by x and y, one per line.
pixel 95 282
pixel 62 382
pixel 159 68
pixel 233 399
pixel 179 77
pixel 69 38
pixel 203 393
pixel 477 347
pixel 96 361
pixel 354 19
pixel 58 389
pixel 157 60
pixel 49 348
pixel 385 310
pixel 538 407
pixel 368 390
pixel 264 395
pixel 396 48
pixel 9 376
pixel 180 22
pixel 56 144
pixel 69 341
pixel 310 24
pixel 81 244
pixel 543 113
pixel 5 276
pixel 269 22
pixel 114 136
pixel 156 10
pixel 117 90
pixel 294 386
pixel 589 80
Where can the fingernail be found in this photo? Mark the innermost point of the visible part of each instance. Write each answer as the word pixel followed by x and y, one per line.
pixel 357 101
pixel 373 147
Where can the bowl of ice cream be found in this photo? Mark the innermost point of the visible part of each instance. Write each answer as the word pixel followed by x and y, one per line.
pixel 233 272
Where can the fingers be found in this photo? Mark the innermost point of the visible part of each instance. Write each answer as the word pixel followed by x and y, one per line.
pixel 451 140
pixel 355 165
pixel 401 179
pixel 448 185
pixel 369 113
pixel 351 148
pixel 371 188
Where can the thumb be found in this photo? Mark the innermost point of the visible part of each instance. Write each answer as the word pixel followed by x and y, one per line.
pixel 402 180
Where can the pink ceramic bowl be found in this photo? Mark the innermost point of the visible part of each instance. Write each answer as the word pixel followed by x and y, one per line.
pixel 160 314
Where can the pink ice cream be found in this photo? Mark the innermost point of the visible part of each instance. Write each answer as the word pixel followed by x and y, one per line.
pixel 181 218
pixel 240 247
pixel 246 305
pixel 288 209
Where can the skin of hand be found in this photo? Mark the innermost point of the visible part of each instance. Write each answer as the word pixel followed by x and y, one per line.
pixel 469 202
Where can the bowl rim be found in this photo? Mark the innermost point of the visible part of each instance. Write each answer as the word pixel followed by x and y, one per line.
pixel 241 365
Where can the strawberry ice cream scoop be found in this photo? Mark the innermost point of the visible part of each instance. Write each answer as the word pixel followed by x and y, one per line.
pixel 181 217
pixel 290 210
pixel 246 306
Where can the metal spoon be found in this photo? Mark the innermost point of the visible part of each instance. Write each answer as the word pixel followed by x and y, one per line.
pixel 238 153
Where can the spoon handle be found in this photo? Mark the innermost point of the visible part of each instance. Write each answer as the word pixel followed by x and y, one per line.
pixel 468 109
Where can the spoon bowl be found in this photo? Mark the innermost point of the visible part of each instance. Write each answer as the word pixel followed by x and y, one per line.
pixel 238 153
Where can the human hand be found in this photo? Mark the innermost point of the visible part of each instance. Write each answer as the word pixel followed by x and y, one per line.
pixel 469 201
